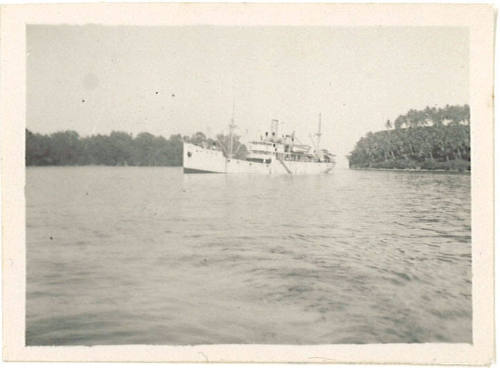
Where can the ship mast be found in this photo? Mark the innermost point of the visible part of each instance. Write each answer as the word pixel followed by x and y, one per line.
pixel 318 134
pixel 232 126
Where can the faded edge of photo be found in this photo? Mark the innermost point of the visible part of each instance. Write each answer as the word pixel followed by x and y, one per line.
pixel 479 19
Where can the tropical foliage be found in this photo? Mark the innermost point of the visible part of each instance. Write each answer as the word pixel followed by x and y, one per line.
pixel 433 138
pixel 115 149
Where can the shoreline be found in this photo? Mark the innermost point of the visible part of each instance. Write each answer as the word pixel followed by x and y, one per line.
pixel 439 171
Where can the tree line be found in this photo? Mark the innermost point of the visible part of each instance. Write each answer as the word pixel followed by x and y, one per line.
pixel 432 138
pixel 116 149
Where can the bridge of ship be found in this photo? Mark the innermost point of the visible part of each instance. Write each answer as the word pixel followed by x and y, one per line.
pixel 285 149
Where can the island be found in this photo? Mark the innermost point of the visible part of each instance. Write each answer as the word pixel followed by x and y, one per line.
pixel 429 139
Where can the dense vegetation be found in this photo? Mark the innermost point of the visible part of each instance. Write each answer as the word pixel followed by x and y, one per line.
pixel 431 139
pixel 116 149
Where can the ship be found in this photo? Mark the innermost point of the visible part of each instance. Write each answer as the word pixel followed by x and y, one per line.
pixel 271 154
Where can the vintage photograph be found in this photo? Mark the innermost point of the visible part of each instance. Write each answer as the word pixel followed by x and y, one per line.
pixel 247 185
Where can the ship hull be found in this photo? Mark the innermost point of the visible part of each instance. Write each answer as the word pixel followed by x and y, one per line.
pixel 200 160
pixel 188 170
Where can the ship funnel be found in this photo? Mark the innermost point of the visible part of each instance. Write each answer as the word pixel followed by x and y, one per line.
pixel 275 127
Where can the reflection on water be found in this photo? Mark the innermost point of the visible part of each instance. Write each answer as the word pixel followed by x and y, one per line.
pixel 152 256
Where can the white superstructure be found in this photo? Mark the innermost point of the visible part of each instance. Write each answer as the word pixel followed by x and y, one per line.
pixel 269 155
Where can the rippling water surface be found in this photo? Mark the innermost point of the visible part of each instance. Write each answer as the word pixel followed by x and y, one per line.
pixel 152 256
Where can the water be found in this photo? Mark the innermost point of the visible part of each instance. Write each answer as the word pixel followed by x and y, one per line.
pixel 152 256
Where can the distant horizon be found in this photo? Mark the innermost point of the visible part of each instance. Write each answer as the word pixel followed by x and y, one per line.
pixel 183 136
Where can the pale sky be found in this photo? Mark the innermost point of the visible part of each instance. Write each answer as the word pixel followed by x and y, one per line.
pixel 168 80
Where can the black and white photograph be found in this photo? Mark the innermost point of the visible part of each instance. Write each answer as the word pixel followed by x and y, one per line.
pixel 215 184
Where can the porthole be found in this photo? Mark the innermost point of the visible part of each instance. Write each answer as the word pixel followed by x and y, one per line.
pixel 189 154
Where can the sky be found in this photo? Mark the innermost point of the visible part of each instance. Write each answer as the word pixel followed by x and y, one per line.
pixel 168 80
